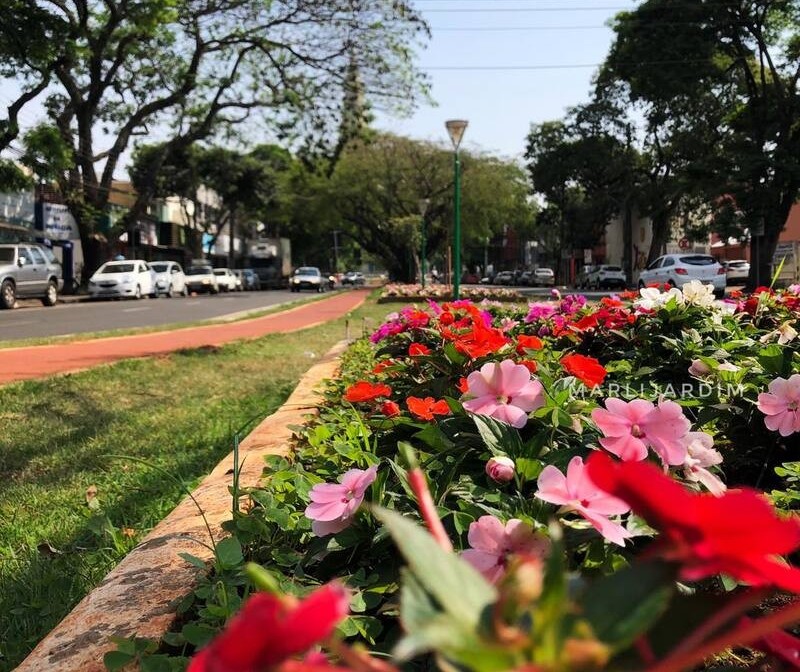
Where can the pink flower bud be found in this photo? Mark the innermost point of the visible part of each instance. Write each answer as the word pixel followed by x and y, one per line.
pixel 500 469
pixel 699 368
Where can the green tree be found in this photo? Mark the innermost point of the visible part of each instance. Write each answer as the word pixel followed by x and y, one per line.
pixel 377 186
pixel 191 69
pixel 726 77
pixel 585 173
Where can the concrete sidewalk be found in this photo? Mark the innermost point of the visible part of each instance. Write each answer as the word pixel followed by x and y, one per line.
pixel 45 360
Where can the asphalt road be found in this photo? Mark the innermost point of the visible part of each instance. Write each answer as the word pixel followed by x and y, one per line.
pixel 35 321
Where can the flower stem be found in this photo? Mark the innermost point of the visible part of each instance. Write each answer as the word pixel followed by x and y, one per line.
pixel 745 634
pixel 419 485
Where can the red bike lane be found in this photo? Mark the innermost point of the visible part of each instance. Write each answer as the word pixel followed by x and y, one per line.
pixel 40 361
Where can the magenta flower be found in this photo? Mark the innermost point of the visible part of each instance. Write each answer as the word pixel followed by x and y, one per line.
pixel 630 428
pixel 780 405
pixel 491 544
pixel 539 311
pixel 575 492
pixel 699 455
pixel 333 505
pixel 504 392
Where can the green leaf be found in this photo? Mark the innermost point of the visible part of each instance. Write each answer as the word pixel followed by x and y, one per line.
pixel 500 438
pixel 193 560
pixel 625 604
pixel 197 635
pixel 528 469
pixel 460 589
pixel 553 603
pixel 117 660
pixel 229 553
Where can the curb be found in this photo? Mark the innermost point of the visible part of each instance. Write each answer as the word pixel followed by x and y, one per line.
pixel 138 597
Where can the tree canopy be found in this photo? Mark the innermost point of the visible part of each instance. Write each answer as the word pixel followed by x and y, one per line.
pixel 190 69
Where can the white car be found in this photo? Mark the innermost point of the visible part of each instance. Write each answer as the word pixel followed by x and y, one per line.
pixel 123 279
pixel 607 277
pixel 737 269
pixel 225 279
pixel 307 277
pixel 543 276
pixel 676 270
pixel 201 279
pixel 170 278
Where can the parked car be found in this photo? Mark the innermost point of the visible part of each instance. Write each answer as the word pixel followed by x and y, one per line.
pixel 31 272
pixel 608 277
pixel 736 269
pixel 582 279
pixel 249 278
pixel 170 278
pixel 201 279
pixel 353 278
pixel 678 269
pixel 308 277
pixel 543 277
pixel 226 280
pixel 525 279
pixel 128 279
pixel 503 278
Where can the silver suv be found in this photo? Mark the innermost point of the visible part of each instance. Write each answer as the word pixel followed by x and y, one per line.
pixel 29 271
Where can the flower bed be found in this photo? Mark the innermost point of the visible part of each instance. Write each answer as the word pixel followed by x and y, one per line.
pixel 570 465
pixel 405 293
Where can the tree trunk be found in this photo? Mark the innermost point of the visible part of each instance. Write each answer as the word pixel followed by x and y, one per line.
pixel 661 232
pixel 762 248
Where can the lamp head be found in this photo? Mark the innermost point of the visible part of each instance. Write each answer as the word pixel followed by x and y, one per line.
pixel 456 128
pixel 423 205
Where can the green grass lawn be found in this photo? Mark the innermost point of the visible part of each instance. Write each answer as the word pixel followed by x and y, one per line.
pixel 177 412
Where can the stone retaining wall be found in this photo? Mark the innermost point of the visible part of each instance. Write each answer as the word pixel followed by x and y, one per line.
pixel 138 597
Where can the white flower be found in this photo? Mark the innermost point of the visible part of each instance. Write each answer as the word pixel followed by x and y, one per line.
pixel 787 333
pixel 652 298
pixel 698 294
pixel 699 456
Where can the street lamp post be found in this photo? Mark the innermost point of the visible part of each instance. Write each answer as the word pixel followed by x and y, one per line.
pixel 456 128
pixel 423 208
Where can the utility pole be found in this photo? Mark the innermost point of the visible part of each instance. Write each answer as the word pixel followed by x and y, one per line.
pixel 336 251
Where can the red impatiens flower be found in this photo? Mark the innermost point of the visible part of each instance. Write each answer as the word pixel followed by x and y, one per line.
pixel 269 629
pixel 417 349
pixel 425 409
pixel 480 341
pixel 381 366
pixel 463 385
pixel 738 534
pixel 586 369
pixel 390 409
pixel 446 318
pixel 529 364
pixel 366 391
pixel 525 342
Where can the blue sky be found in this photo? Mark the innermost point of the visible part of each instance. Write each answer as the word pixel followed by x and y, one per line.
pixel 500 104
pixel 515 58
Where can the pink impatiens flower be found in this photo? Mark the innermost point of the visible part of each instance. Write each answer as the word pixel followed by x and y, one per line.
pixel 504 392
pixel 700 454
pixel 333 505
pixel 575 492
pixel 780 405
pixel 630 428
pixel 491 544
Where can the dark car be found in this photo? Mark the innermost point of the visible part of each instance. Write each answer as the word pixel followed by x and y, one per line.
pixel 249 278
